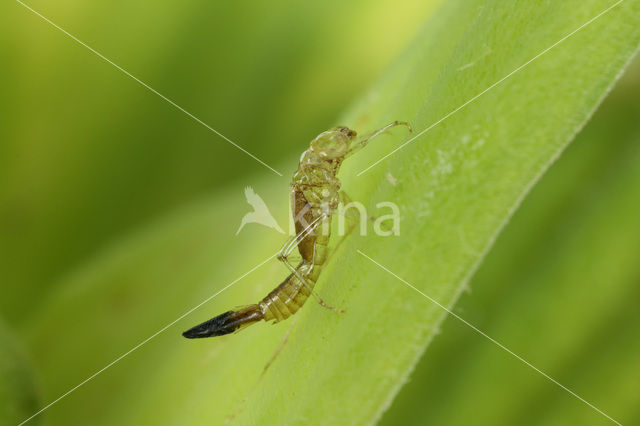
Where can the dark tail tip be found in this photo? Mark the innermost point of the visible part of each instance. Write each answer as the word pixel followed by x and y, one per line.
pixel 214 327
pixel 225 323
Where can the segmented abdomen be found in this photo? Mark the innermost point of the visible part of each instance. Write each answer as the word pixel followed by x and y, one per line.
pixel 286 299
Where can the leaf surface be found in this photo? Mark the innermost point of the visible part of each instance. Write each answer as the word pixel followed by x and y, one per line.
pixel 456 187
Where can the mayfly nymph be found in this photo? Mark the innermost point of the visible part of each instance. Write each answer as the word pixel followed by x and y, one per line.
pixel 315 196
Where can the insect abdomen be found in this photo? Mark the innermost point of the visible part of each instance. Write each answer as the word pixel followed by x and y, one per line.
pixel 286 299
pixel 226 323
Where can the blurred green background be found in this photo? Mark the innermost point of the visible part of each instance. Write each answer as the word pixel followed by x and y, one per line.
pixel 88 157
pixel 87 154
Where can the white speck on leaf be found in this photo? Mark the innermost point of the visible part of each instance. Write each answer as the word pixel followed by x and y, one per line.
pixel 444 166
pixel 478 144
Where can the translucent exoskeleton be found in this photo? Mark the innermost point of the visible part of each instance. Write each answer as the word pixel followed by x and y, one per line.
pixel 315 196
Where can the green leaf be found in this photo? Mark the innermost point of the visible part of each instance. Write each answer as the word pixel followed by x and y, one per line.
pixel 18 395
pixel 560 288
pixel 457 186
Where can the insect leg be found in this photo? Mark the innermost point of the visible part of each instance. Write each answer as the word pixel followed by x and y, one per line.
pixel 305 282
pixel 292 243
pixel 362 141
pixel 289 246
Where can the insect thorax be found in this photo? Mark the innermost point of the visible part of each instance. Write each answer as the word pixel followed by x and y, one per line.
pixel 319 183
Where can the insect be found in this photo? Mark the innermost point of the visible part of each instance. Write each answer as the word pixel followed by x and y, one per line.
pixel 315 196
